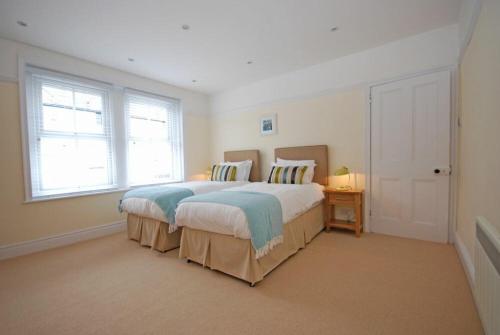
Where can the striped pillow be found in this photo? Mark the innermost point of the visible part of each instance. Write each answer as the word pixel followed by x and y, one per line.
pixel 223 173
pixel 287 175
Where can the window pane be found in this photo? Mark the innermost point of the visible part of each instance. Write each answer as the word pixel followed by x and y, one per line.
pixel 161 160
pixel 138 127
pixel 53 95
pixel 138 109
pixel 149 162
pixel 154 143
pixel 57 159
pixel 69 163
pixel 158 130
pixel 158 113
pixel 138 165
pixel 58 119
pixel 88 101
pixel 92 162
pixel 89 122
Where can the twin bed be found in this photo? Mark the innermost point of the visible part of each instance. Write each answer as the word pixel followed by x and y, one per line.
pixel 148 224
pixel 242 229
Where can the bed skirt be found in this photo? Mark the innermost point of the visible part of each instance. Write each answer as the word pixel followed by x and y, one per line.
pixel 152 233
pixel 236 257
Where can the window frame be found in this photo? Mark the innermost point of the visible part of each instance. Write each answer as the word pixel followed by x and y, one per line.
pixel 118 128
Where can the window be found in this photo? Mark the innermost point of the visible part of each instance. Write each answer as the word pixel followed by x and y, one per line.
pixel 70 138
pixel 153 139
pixel 77 143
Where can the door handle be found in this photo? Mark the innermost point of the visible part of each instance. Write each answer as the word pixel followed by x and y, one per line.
pixel 442 171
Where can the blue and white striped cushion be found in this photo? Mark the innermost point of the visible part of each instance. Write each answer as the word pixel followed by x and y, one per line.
pixel 287 175
pixel 224 173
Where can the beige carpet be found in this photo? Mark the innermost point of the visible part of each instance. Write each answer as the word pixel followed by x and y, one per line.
pixel 337 285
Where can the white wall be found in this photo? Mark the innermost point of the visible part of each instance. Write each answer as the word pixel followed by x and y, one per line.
pixel 469 13
pixel 316 104
pixel 336 120
pixel 433 49
pixel 325 103
pixel 193 102
pixel 479 179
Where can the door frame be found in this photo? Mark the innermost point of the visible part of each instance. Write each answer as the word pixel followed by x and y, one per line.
pixel 454 144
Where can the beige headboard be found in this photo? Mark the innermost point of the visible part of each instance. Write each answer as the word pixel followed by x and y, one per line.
pixel 242 155
pixel 317 152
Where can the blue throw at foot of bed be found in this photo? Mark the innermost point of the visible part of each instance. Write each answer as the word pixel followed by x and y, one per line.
pixel 166 197
pixel 263 213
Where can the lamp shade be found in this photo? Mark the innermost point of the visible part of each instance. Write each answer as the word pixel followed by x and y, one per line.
pixel 342 171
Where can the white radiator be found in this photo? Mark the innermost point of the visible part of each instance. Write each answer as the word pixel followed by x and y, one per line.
pixel 487 275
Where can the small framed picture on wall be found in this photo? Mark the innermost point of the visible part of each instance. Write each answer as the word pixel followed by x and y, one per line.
pixel 268 125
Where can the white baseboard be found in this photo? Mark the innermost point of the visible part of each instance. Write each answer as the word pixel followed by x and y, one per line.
pixel 466 260
pixel 28 247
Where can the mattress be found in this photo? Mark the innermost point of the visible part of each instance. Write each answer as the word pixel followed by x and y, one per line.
pixel 228 220
pixel 147 208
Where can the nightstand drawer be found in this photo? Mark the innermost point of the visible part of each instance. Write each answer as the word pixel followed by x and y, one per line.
pixel 341 198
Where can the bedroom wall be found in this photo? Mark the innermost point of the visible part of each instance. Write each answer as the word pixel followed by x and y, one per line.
pixel 467 18
pixel 21 221
pixel 335 119
pixel 479 180
pixel 429 50
pixel 325 103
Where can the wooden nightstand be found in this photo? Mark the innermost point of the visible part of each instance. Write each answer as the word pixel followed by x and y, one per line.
pixel 353 199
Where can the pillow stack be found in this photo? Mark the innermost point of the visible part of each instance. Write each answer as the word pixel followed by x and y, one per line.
pixel 232 171
pixel 244 168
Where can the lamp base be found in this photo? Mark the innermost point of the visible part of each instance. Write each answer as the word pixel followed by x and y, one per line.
pixel 344 188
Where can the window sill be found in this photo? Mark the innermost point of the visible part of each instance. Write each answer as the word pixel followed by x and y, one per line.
pixel 90 193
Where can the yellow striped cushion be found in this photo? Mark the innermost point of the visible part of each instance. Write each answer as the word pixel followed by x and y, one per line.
pixel 223 173
pixel 287 175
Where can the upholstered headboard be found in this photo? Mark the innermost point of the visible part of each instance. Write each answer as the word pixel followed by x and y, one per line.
pixel 319 153
pixel 242 155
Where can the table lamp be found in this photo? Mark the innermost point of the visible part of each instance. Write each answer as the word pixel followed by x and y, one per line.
pixel 342 172
pixel 208 173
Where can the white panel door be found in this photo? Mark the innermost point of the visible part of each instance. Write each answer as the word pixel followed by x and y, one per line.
pixel 410 157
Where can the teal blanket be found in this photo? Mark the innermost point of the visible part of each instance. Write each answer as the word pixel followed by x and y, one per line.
pixel 166 197
pixel 263 213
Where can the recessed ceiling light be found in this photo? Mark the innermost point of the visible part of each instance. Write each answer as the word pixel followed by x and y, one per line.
pixel 335 28
pixel 22 23
pixel 250 62
pixel 194 80
pixel 130 59
pixel 185 27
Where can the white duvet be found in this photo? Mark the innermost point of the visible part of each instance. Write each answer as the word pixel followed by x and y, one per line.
pixel 147 208
pixel 229 220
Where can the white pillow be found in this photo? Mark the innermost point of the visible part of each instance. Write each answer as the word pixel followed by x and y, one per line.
pixel 243 169
pixel 308 176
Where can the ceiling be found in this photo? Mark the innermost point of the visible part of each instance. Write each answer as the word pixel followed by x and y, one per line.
pixel 278 36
